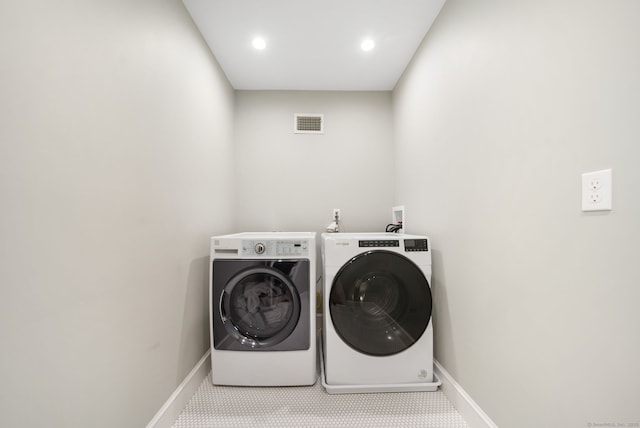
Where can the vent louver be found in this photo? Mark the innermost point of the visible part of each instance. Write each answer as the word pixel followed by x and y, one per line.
pixel 308 124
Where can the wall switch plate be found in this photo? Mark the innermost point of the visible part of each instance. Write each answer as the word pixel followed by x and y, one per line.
pixel 596 191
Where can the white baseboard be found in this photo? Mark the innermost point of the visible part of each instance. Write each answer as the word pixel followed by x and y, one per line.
pixel 469 409
pixel 170 411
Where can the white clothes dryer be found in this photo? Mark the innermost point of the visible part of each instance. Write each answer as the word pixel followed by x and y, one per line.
pixel 262 309
pixel 377 330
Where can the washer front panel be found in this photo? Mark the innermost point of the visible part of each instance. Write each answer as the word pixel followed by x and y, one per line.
pixel 380 303
pixel 261 304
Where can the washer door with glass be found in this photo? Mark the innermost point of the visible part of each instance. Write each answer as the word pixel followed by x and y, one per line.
pixel 380 303
pixel 259 304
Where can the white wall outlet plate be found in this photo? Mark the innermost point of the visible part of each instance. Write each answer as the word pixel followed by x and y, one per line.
pixel 596 191
pixel 397 217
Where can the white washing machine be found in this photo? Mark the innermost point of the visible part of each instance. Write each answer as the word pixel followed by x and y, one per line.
pixel 262 309
pixel 377 330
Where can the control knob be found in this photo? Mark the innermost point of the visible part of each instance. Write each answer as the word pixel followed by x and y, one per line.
pixel 260 247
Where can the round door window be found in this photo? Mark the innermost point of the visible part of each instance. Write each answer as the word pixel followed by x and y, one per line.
pixel 260 307
pixel 380 303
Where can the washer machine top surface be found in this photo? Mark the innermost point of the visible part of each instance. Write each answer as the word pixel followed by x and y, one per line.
pixel 268 235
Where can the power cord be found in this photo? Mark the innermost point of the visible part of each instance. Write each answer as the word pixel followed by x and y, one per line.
pixel 395 228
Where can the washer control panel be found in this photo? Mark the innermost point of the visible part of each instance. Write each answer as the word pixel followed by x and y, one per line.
pixel 275 248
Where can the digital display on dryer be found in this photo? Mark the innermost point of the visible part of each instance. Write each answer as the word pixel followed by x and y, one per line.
pixel 416 245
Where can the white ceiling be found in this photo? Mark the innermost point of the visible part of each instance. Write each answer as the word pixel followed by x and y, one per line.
pixel 313 45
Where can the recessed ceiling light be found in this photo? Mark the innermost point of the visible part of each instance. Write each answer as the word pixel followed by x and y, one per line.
pixel 367 45
pixel 259 43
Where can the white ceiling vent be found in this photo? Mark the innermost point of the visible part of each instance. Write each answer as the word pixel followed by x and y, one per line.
pixel 308 123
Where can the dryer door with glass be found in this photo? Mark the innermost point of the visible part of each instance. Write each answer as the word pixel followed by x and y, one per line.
pixel 380 303
pixel 259 304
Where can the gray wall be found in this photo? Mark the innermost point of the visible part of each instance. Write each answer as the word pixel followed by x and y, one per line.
pixel 502 108
pixel 115 167
pixel 117 161
pixel 292 182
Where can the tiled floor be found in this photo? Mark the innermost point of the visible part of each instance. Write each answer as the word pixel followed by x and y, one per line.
pixel 310 406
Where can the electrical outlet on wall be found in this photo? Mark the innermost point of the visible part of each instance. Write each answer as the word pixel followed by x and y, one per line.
pixel 596 190
pixel 397 217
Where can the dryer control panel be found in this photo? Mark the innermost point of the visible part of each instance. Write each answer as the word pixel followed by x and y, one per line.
pixel 276 248
pixel 409 244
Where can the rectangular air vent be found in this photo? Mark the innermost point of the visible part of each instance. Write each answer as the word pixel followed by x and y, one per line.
pixel 308 123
